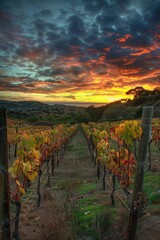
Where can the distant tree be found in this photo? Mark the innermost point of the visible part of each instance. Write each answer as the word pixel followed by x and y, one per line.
pixel 96 112
pixel 32 118
pixel 92 111
pixel 156 90
pixel 141 92
pixel 83 117
pixel 137 92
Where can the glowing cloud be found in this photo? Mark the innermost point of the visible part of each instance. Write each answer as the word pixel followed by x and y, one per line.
pixel 84 52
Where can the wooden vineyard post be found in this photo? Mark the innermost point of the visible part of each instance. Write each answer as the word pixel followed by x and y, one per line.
pixel 53 163
pixel 138 195
pixel 4 181
pixel 39 186
pixel 48 172
pixel 98 170
pixel 104 177
pixel 113 189
pixel 15 150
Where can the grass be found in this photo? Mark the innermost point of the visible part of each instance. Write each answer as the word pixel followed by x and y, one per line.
pixel 154 198
pixel 87 187
pixel 93 220
pixel 89 214
pixel 152 187
pixel 87 200
pixel 83 218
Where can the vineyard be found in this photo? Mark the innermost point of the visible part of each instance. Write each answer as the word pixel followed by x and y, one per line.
pixel 89 181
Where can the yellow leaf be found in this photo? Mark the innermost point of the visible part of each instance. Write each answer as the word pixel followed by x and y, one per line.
pixel 21 189
pixel 31 176
pixel 18 183
pixel 27 167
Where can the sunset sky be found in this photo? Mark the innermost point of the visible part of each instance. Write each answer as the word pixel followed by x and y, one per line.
pixel 78 51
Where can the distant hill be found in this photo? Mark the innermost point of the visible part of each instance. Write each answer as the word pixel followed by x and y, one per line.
pixel 131 109
pixel 26 106
pixel 34 111
pixel 37 112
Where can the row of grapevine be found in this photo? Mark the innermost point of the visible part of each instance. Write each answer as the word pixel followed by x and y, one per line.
pixel 156 132
pixel 114 148
pixel 121 148
pixel 35 148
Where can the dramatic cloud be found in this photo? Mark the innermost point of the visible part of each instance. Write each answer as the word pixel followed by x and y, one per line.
pixel 79 51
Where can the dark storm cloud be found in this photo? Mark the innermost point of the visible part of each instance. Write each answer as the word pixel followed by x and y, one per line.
pixel 59 47
pixel 137 24
pixel 102 43
pixel 76 26
pixel 56 72
pixel 75 41
pixel 46 12
pixel 121 5
pixel 9 31
pixel 154 14
pixel 40 27
pixel 79 41
pixel 31 85
pixel 94 7
pixel 16 84
pixel 93 34
pixel 108 18
pixel 116 53
pixel 62 71
pixel 52 36
pixel 140 41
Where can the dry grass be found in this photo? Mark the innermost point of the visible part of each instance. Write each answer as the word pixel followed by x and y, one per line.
pixel 111 225
pixel 122 222
pixel 53 222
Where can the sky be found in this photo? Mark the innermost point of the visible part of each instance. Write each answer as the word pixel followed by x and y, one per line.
pixel 78 51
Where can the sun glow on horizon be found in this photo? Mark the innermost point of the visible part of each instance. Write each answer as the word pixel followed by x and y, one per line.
pixel 83 97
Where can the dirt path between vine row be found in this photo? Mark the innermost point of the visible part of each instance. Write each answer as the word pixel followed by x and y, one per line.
pixel 75 168
pixel 53 219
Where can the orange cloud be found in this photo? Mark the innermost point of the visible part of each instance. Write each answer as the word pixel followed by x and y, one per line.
pixel 107 49
pixel 124 38
pixel 130 71
pixel 102 58
pixel 141 50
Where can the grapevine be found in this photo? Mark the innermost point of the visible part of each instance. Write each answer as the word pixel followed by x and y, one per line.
pixel 113 146
pixel 35 147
